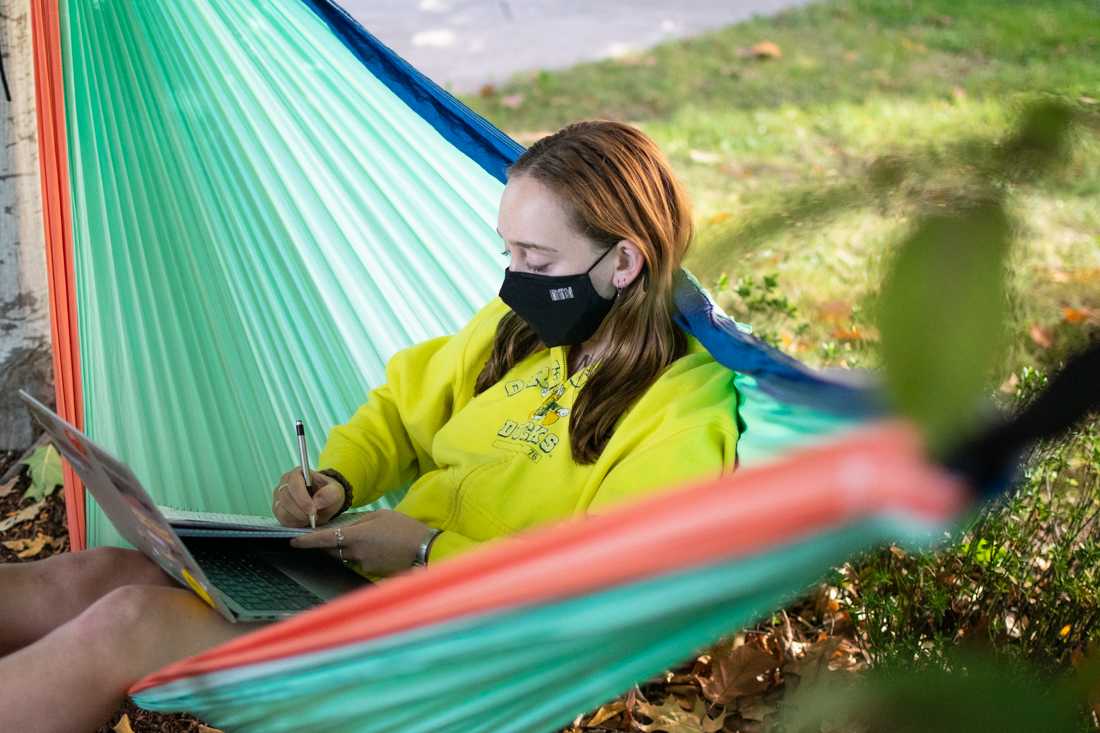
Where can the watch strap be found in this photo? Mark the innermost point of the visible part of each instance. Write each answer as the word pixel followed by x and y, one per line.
pixel 426 546
pixel 349 495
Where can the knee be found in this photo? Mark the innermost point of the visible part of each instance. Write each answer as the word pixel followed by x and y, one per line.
pixel 119 617
pixel 92 572
pixel 140 628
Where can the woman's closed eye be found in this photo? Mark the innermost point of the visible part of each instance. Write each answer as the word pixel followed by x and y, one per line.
pixel 532 268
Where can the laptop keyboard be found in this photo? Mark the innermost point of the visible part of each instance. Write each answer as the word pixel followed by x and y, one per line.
pixel 253 584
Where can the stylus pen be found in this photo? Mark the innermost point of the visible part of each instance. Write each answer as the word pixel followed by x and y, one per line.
pixel 300 429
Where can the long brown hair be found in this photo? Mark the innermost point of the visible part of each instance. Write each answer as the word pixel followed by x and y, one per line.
pixel 616 184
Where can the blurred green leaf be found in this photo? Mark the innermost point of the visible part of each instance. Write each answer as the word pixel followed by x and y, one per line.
pixel 977 692
pixel 942 317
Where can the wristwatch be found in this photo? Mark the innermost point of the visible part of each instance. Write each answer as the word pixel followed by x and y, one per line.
pixel 425 547
pixel 348 493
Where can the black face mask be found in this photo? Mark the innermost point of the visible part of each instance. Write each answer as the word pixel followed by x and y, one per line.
pixel 561 309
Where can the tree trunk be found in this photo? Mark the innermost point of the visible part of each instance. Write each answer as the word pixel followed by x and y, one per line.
pixel 25 353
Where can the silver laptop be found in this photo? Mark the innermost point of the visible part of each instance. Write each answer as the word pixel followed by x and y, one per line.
pixel 243 578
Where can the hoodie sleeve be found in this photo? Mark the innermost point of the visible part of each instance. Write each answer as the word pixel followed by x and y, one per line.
pixel 386 443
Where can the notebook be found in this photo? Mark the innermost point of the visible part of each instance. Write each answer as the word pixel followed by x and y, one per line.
pixel 192 523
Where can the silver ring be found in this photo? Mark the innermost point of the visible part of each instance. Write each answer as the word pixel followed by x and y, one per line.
pixel 339 537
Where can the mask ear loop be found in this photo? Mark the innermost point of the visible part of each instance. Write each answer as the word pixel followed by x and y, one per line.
pixel 618 290
pixel 598 259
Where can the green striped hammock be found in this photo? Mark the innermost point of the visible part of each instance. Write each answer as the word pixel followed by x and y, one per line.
pixel 228 185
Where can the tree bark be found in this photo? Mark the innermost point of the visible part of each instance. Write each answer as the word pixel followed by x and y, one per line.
pixel 26 360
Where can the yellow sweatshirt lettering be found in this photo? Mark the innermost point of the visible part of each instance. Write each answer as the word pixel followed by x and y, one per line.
pixel 499 463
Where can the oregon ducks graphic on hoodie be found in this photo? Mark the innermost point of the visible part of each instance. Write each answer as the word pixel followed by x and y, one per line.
pixel 492 465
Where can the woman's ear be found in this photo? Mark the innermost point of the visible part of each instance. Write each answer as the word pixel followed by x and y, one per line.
pixel 629 262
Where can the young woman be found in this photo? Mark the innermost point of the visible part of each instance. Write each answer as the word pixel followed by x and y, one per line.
pixel 572 391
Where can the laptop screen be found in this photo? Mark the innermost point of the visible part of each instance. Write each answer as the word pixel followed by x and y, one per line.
pixel 123 499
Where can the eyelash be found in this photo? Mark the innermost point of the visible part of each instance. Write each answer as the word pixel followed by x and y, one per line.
pixel 541 268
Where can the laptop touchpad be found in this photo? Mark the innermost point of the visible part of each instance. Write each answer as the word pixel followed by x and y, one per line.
pixel 314 569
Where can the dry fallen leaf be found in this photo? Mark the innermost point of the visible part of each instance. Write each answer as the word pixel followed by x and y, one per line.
pixel 29 547
pixel 1079 315
pixel 703 156
pixel 23 515
pixel 123 725
pixel 841 333
pixel 7 488
pixel 1080 275
pixel 766 50
pixel 606 712
pixel 835 311
pixel 669 717
pixel 208 729
pixel 1040 336
pixel 815 662
pixel 734 673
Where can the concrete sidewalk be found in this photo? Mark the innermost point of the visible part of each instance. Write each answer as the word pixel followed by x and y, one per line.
pixel 463 44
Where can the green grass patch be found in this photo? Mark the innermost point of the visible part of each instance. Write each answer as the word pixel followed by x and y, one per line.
pixel 780 157
pixel 857 80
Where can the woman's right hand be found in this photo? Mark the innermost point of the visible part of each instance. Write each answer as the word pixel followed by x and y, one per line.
pixel 291 502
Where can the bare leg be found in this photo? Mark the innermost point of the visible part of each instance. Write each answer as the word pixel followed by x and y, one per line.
pixel 76 677
pixel 41 595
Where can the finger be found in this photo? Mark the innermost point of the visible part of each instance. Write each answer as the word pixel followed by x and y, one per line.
pixel 330 498
pixel 282 506
pixel 319 479
pixel 298 494
pixel 289 516
pixel 281 486
pixel 321 538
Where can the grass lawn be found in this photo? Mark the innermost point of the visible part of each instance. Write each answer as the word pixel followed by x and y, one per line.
pixel 854 83
pixel 857 79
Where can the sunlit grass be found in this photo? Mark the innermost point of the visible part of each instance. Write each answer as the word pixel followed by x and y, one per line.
pixel 861 81
pixel 856 80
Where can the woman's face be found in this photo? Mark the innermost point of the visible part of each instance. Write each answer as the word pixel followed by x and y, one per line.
pixel 539 238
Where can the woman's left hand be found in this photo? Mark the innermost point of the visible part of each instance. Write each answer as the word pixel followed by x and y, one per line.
pixel 383 541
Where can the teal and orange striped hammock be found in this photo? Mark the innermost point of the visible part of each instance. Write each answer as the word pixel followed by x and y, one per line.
pixel 228 185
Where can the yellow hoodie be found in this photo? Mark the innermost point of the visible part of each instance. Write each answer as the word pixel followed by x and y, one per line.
pixel 500 462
